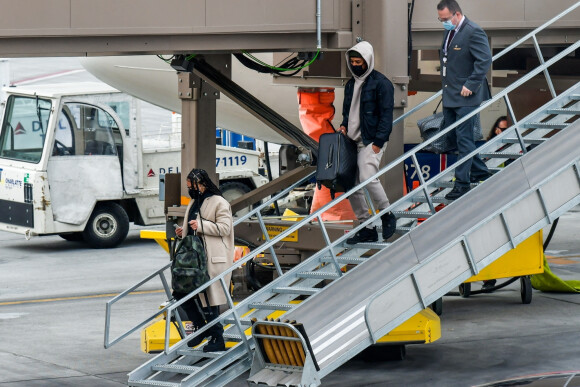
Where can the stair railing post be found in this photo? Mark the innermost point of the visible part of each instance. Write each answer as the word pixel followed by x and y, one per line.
pixel 236 316
pixel 422 181
pixel 542 64
pixel 267 238
pixel 328 245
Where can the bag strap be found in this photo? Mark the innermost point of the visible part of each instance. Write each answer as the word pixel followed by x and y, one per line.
pixel 437 107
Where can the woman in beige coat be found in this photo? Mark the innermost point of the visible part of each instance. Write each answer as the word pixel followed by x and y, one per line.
pixel 210 215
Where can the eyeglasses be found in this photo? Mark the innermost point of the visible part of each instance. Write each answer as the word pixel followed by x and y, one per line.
pixel 446 19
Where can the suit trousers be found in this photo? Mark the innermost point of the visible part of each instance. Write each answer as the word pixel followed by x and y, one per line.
pixel 463 137
pixel 367 165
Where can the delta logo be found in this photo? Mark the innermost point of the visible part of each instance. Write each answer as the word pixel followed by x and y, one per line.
pixel 151 173
pixel 19 129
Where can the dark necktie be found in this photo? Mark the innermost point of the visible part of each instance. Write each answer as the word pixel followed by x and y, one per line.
pixel 451 34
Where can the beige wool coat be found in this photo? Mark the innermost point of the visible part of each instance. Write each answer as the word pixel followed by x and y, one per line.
pixel 215 227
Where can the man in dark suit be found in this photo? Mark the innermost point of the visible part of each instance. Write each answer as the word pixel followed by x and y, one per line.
pixel 465 58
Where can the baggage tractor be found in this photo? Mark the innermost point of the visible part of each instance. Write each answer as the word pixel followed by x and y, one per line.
pixel 336 166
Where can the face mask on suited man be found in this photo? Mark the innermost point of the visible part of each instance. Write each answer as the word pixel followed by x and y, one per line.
pixel 448 25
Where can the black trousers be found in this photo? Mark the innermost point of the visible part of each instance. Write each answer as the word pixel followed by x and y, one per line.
pixel 201 316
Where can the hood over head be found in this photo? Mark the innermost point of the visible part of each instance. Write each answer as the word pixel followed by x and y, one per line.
pixel 366 51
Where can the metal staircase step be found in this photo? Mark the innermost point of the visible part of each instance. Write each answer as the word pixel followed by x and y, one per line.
pixel 403 230
pixel 230 320
pixel 500 155
pixel 159 383
pixel 531 141
pixel 564 111
pixel 544 125
pixel 575 97
pixel 198 353
pixel 317 275
pixel 267 306
pixel 450 184
pixel 232 336
pixel 344 260
pixel 371 245
pixel 176 368
pixel 296 290
pixel 434 199
pixel 411 214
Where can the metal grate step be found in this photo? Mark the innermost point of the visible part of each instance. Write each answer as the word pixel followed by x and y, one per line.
pixel 344 260
pixel 575 97
pixel 159 383
pixel 198 353
pixel 371 245
pixel 500 155
pixel 544 125
pixel 403 230
pixel 230 320
pixel 317 275
pixel 232 337
pixel 296 290
pixel 412 214
pixel 563 111
pixel 267 306
pixel 434 199
pixel 531 141
pixel 450 184
pixel 176 368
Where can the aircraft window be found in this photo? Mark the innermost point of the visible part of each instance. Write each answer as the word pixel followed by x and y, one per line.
pixel 24 128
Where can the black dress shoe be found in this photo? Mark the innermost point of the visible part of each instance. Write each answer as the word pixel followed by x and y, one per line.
pixel 476 179
pixel 364 235
pixel 457 192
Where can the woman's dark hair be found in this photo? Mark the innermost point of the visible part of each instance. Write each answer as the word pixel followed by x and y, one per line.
pixel 201 176
pixel 495 125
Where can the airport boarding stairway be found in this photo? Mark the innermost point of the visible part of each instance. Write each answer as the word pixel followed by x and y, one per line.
pixel 536 179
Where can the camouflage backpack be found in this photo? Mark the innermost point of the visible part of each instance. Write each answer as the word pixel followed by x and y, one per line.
pixel 189 265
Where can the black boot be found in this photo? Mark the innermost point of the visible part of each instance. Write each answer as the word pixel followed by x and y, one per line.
pixel 457 192
pixel 194 313
pixel 217 342
pixel 364 235
pixel 389 225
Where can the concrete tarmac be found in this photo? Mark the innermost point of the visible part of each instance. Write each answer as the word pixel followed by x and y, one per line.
pixel 52 309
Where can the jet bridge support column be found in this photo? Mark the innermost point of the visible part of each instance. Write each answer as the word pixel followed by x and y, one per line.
pixel 198 120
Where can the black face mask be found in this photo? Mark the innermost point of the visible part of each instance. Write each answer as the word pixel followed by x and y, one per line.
pixel 193 193
pixel 358 70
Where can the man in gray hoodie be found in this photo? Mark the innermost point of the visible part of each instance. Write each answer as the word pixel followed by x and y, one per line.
pixel 368 120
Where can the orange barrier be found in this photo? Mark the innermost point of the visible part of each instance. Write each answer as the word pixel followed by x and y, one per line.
pixel 316 111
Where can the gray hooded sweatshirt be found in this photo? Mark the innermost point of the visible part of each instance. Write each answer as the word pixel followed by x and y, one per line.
pixel 366 50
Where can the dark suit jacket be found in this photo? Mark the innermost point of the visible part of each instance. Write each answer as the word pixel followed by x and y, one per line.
pixel 468 60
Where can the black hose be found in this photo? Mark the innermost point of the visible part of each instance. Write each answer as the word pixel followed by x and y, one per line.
pixel 511 280
pixel 269 171
pixel 551 234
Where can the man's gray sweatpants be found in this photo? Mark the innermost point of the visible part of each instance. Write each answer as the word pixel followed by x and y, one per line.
pixel 368 164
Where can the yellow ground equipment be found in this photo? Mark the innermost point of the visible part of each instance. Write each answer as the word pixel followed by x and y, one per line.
pixel 523 261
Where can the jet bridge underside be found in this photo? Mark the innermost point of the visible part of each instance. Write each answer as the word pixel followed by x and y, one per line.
pixel 111 27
